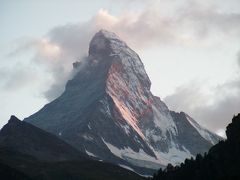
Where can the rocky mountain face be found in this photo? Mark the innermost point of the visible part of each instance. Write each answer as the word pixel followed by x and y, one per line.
pixel 108 111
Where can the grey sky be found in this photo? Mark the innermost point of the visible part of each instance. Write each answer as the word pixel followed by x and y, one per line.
pixel 190 51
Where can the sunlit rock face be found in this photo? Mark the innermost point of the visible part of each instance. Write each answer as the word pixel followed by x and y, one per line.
pixel 108 111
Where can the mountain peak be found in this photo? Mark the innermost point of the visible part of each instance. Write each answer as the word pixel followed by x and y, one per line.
pixel 104 34
pixel 108 34
pixel 108 104
pixel 13 119
pixel 112 55
pixel 105 42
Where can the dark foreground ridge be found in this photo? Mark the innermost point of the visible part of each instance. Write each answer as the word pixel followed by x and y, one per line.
pixel 28 139
pixel 222 162
pixel 27 152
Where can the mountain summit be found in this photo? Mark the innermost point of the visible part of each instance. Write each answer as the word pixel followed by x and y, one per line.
pixel 108 111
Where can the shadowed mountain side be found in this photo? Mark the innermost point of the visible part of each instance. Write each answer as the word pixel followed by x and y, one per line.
pixel 20 167
pixel 28 139
pixel 7 172
pixel 184 124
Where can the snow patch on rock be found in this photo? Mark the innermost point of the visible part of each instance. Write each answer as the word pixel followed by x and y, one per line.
pixel 174 155
pixel 140 158
pixel 126 167
pixel 164 122
pixel 90 154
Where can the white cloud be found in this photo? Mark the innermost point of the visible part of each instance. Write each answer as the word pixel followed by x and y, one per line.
pixel 238 58
pixel 18 77
pixel 214 110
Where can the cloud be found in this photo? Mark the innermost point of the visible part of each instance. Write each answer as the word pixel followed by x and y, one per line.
pixel 17 77
pixel 188 96
pixel 49 60
pixel 158 23
pixel 163 22
pixel 238 58
pixel 209 18
pixel 213 110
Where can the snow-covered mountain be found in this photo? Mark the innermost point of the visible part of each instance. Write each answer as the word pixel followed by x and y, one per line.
pixel 108 111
